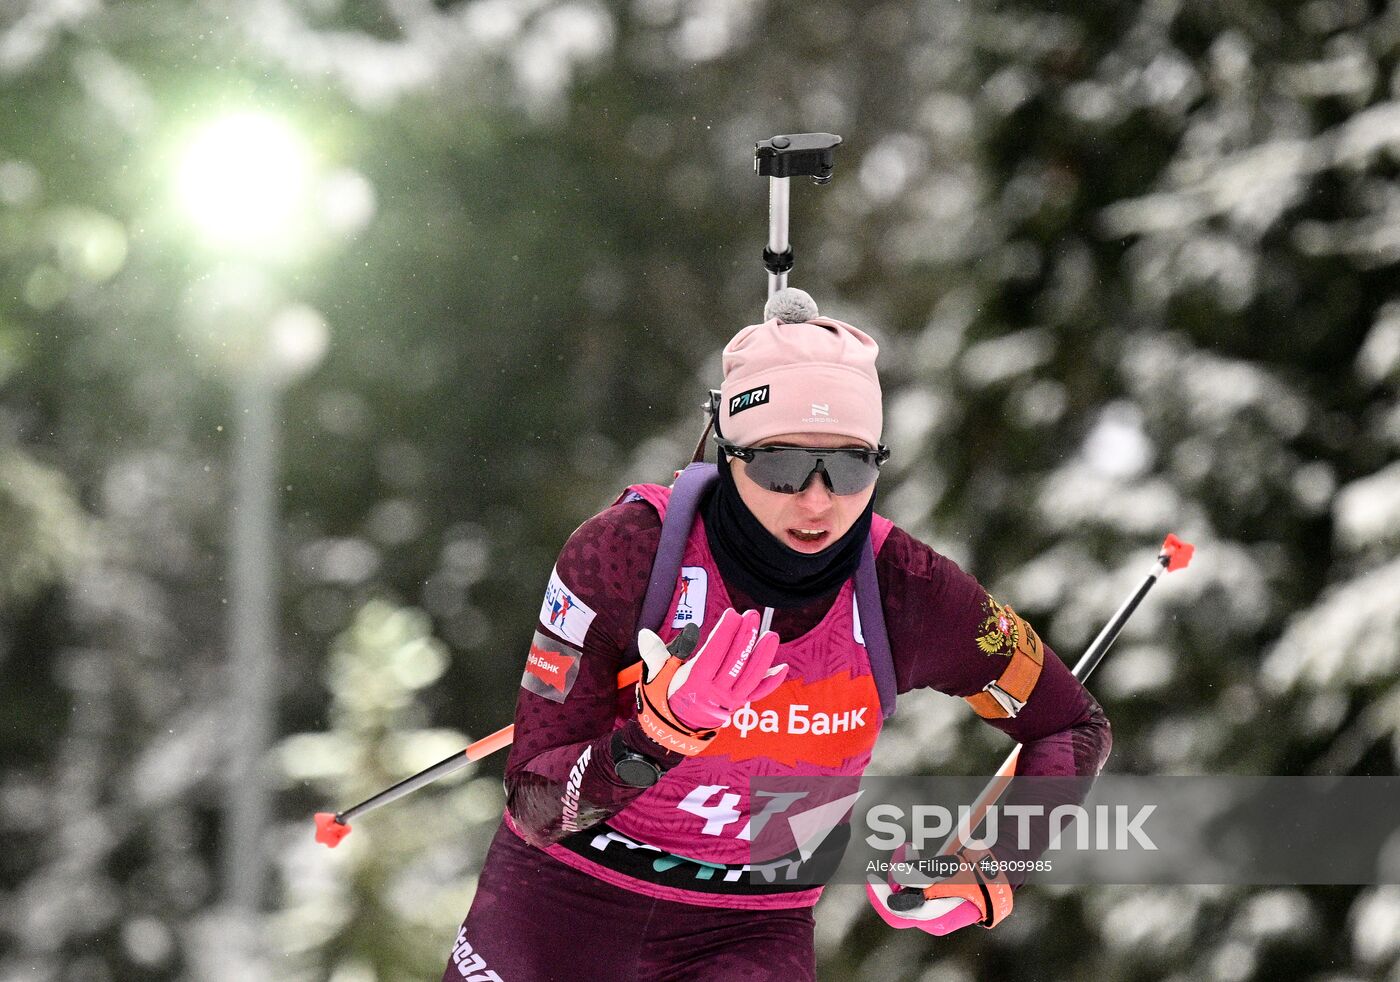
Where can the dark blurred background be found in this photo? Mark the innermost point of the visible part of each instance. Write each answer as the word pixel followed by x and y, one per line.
pixel 324 322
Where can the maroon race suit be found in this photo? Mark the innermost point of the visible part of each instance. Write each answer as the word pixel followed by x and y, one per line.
pixel 631 910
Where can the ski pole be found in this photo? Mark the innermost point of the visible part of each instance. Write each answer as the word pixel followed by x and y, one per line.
pixel 778 159
pixel 1174 554
pixel 331 827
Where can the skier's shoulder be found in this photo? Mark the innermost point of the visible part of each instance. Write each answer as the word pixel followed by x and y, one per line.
pixel 627 519
pixel 941 621
pixel 905 563
pixel 607 560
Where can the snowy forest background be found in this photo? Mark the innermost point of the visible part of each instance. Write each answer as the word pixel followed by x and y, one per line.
pixel 1134 270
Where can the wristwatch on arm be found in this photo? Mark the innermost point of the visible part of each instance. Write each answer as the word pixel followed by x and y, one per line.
pixel 634 769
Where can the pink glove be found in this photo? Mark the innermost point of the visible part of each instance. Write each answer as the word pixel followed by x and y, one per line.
pixel 938 917
pixel 733 667
pixel 974 896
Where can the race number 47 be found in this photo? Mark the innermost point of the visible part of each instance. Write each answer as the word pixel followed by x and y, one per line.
pixel 721 814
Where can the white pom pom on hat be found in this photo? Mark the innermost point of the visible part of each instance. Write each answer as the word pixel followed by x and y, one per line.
pixel 813 375
pixel 791 306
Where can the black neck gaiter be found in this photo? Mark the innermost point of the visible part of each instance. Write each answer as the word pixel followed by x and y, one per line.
pixel 762 567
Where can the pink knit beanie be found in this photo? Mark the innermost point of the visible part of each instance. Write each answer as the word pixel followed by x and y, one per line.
pixel 812 377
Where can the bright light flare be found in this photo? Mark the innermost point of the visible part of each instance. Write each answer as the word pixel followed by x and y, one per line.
pixel 244 179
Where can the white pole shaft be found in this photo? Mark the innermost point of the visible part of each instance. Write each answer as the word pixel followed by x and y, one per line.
pixel 777 227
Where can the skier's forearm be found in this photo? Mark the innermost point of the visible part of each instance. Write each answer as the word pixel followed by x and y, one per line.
pixel 1075 756
pixel 546 808
pixel 1080 750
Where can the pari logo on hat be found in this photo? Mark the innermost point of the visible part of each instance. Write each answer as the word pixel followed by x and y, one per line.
pixel 749 399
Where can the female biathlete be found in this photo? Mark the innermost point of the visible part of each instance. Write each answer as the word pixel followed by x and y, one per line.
pixel 627 815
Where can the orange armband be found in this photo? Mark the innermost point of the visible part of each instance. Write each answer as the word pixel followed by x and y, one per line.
pixel 1005 632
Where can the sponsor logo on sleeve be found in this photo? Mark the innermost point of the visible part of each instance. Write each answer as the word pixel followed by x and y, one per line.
pixel 551 668
pixel 690 608
pixel 572 788
pixel 470 965
pixel 563 612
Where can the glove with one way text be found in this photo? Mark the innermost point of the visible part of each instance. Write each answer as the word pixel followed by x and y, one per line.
pixel 680 702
